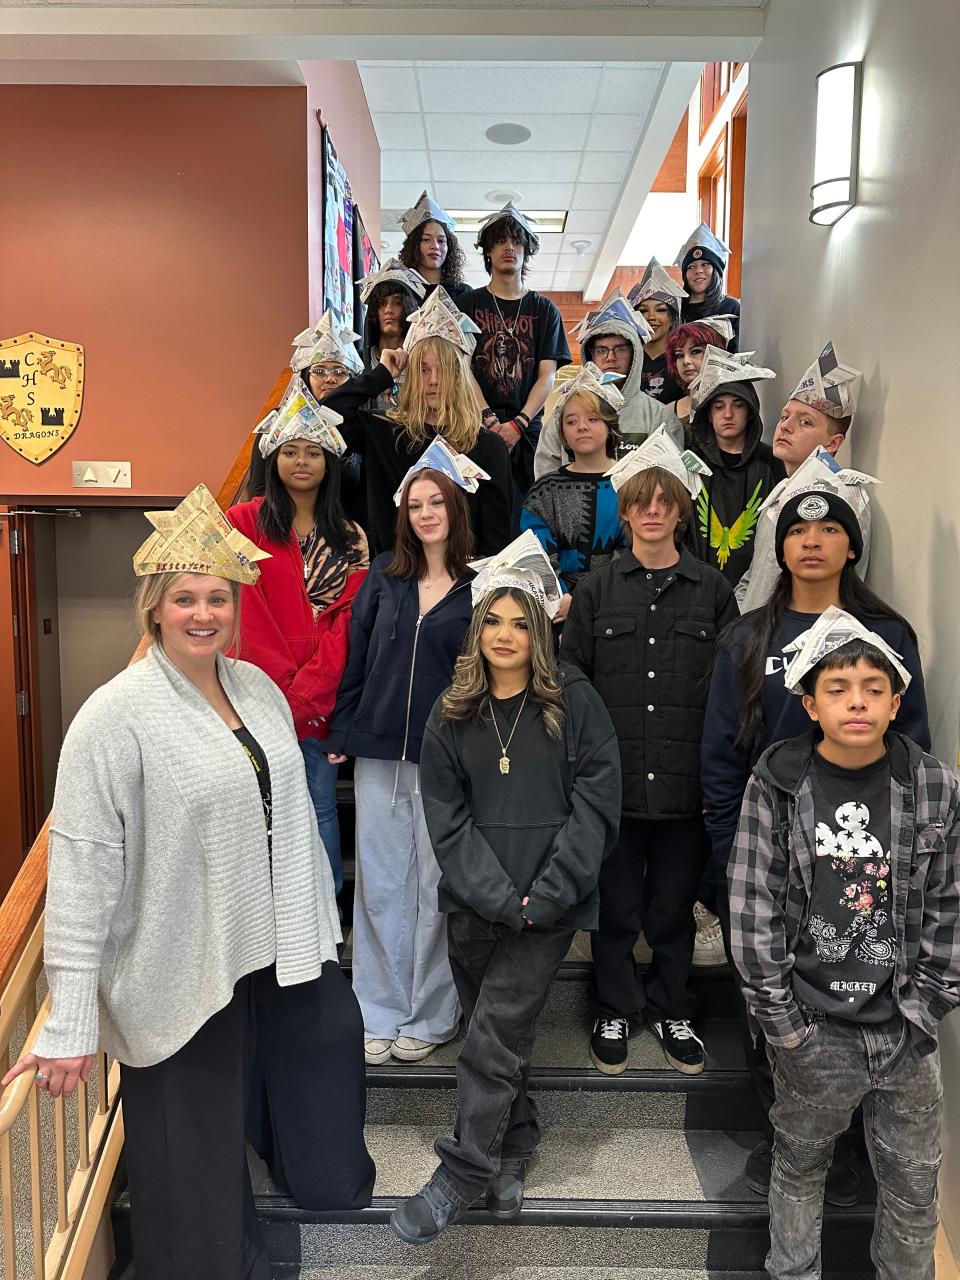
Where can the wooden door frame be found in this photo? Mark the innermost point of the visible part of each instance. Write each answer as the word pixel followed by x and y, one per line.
pixel 737 175
pixel 13 810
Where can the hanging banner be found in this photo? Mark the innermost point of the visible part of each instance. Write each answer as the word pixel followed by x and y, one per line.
pixel 41 393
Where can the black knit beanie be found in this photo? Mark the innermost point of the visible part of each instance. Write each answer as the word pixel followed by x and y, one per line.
pixel 819 504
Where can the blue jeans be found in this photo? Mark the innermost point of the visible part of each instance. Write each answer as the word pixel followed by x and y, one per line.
pixel 322 783
pixel 818 1086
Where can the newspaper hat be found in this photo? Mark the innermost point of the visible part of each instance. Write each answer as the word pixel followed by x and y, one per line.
pixel 438 456
pixel 720 368
pixel 820 489
pixel 703 245
pixel 658 286
pixel 510 210
pixel 613 312
pixel 830 386
pixel 832 630
pixel 425 210
pixel 330 340
pixel 440 317
pixel 658 450
pixel 299 416
pixel 723 325
pixel 590 378
pixel 394 271
pixel 522 565
pixel 196 538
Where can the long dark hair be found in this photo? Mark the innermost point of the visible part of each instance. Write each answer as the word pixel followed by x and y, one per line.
pixel 379 295
pixel 711 299
pixel 275 517
pixel 409 560
pixel 758 627
pixel 454 264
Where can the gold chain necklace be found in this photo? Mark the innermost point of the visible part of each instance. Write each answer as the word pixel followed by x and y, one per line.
pixel 504 758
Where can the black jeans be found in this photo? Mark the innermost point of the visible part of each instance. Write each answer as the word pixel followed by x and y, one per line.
pixel 502 978
pixel 648 884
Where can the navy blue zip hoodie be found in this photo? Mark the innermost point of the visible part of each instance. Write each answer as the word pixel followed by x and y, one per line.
pixel 397 669
pixel 726 767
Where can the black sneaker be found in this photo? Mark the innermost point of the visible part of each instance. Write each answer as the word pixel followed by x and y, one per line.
pixel 757 1172
pixel 682 1047
pixel 608 1045
pixel 504 1197
pixel 423 1217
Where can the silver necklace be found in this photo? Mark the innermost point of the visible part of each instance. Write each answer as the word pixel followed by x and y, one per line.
pixel 504 758
pixel 503 324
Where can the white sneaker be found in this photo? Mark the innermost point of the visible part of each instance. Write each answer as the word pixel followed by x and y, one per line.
pixel 409 1049
pixel 708 952
pixel 376 1052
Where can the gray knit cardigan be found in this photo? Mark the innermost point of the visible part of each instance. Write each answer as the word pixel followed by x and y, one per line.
pixel 160 895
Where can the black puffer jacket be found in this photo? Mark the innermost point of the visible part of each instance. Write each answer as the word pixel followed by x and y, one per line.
pixel 649 654
pixel 724 522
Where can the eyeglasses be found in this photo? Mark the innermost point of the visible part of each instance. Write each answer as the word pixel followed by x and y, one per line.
pixel 329 372
pixel 620 349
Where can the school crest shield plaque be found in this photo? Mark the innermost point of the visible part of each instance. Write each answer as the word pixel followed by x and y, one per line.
pixel 41 393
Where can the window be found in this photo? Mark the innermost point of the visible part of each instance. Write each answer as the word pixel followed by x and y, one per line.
pixel 714 84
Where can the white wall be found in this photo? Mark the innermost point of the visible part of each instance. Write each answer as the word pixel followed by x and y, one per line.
pixel 870 284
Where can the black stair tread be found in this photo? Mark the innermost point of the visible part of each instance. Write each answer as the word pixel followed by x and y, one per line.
pixel 427 1271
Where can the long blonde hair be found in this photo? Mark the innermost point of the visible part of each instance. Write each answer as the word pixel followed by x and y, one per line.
pixel 457 414
pixel 153 587
pixel 469 693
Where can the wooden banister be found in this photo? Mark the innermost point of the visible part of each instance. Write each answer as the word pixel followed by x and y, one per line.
pixel 21 908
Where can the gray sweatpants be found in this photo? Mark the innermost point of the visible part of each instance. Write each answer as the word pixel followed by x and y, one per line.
pixel 401 970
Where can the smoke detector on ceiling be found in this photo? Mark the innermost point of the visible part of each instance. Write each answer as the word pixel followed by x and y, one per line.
pixel 580 246
pixel 504 197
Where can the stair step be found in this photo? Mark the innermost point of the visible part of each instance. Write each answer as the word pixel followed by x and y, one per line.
pixel 427 1271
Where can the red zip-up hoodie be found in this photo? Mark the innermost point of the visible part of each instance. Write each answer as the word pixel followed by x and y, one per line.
pixel 305 656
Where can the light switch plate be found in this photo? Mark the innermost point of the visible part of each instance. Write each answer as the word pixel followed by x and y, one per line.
pixel 101 475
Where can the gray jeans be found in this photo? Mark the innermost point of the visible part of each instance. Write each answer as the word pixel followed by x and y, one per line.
pixel 818 1086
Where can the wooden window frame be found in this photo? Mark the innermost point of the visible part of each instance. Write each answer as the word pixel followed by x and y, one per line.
pixel 714 86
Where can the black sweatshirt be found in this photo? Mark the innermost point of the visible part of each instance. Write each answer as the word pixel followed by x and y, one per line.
pixel 543 829
pixel 389 453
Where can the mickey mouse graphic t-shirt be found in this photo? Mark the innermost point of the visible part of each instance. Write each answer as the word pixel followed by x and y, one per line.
pixel 844 959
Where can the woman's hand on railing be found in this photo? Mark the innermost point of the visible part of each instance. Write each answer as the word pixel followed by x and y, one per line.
pixel 58 1076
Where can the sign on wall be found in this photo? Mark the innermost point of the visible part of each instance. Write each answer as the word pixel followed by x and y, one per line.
pixel 41 393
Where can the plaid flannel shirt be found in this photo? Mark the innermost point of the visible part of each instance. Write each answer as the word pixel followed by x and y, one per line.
pixel 771 873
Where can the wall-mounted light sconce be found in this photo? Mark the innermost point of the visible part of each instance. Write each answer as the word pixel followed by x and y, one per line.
pixel 834 190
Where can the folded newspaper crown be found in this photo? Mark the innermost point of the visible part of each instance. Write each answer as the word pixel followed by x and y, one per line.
pixel 438 456
pixel 832 630
pixel 329 340
pixel 299 416
pixel 722 367
pixel 830 386
pixel 723 325
pixel 196 538
pixel 425 210
pixel 523 566
pixel 393 271
pixel 821 473
pixel 440 317
pixel 657 285
pixel 510 210
pixel 591 378
pixel 658 450
pixel 614 309
pixel 703 238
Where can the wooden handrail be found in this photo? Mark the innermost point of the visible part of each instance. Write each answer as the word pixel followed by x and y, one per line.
pixel 22 907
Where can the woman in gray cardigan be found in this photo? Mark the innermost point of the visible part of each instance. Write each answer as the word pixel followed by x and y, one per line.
pixel 187 889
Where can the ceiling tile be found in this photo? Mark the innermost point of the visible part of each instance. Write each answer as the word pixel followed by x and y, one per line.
pixel 472 195
pixel 571 279
pixel 627 91
pixel 405 166
pixel 514 90
pixel 587 222
pixel 460 131
pixel 505 168
pixel 604 166
pixel 615 133
pixel 593 195
pixel 398 130
pixel 399 195
pixel 390 88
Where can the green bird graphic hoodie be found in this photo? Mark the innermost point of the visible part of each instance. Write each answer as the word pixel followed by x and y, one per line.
pixel 724 522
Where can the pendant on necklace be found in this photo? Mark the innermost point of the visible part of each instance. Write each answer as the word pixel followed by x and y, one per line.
pixel 504 763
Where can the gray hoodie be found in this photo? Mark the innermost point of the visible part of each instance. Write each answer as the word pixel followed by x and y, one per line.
pixel 639 415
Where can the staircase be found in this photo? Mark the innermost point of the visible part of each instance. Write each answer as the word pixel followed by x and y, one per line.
pixel 639 1177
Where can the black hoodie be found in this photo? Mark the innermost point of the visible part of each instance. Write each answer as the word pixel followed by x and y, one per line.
pixel 543 829
pixel 724 521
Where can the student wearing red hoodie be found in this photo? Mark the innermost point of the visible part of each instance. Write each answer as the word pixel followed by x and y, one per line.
pixel 295 622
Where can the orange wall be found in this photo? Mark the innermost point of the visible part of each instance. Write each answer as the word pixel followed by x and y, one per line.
pixel 164 229
pixel 335 89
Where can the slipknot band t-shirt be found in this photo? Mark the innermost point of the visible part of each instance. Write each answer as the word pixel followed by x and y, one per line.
pixel 845 954
pixel 510 345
